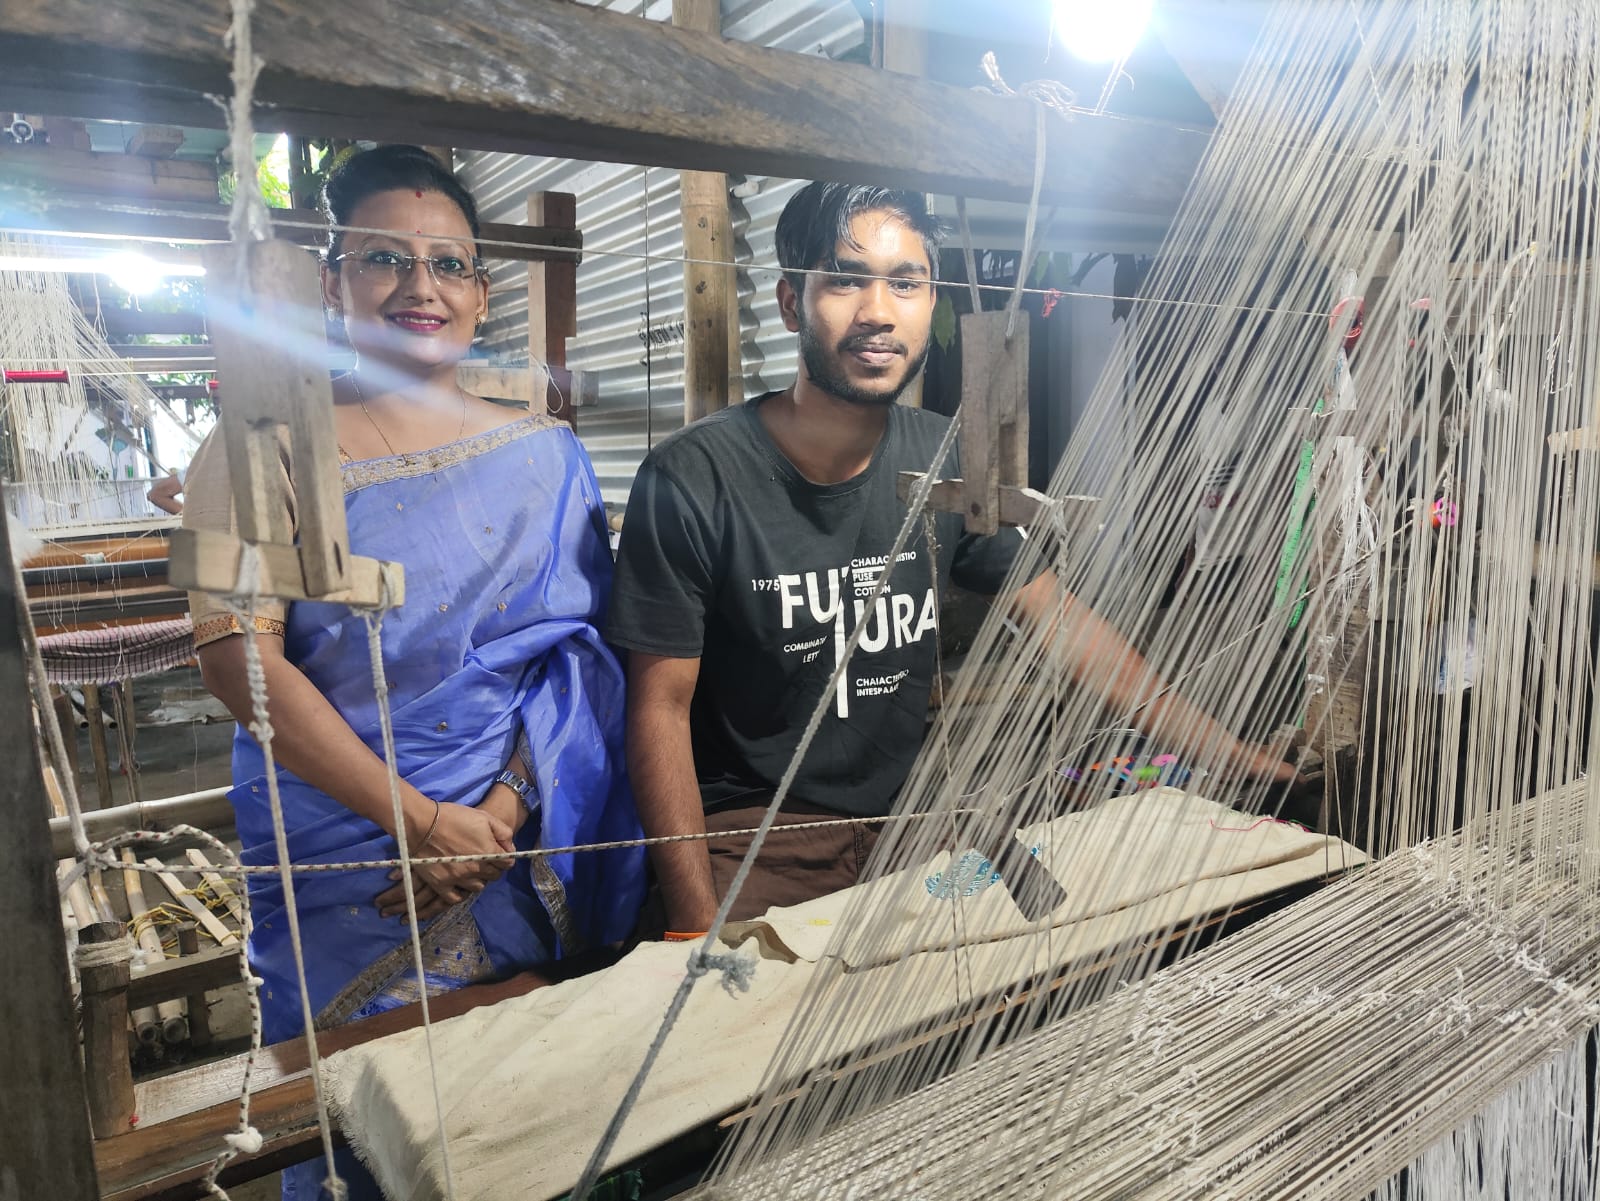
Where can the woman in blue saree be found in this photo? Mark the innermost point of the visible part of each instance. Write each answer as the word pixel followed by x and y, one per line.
pixel 507 707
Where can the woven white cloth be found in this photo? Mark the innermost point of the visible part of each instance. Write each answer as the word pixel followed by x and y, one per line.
pixel 529 1085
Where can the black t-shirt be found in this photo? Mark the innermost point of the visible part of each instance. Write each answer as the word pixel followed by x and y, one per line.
pixel 729 554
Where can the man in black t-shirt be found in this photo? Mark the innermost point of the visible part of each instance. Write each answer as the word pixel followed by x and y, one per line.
pixel 752 543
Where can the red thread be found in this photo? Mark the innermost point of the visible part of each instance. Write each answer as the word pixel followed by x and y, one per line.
pixel 35 377
pixel 1051 299
pixel 1257 824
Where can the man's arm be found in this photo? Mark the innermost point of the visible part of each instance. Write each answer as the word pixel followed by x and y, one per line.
pixel 164 494
pixel 661 765
pixel 1102 660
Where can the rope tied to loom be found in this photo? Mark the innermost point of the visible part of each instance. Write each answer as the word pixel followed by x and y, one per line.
pixel 242 605
pixel 380 684
pixel 104 954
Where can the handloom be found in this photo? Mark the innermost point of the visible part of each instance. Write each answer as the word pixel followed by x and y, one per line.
pixel 568 1052
pixel 1423 172
pixel 1373 318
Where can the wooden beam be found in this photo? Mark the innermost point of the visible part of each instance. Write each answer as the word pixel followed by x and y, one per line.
pixel 85 216
pixel 45 1151
pixel 516 385
pixel 119 175
pixel 608 87
pixel 155 141
pixel 712 353
pixel 210 968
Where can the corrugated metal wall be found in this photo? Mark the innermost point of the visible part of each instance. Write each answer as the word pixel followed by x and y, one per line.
pixel 628 212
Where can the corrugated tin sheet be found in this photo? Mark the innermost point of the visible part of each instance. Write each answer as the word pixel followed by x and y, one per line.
pixel 630 310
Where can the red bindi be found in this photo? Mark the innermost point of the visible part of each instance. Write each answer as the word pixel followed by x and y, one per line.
pixel 419 193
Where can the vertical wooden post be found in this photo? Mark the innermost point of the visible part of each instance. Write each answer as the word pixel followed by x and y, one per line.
pixel 552 305
pixel 122 692
pixel 46 1150
pixel 98 750
pixel 712 375
pixel 902 33
pixel 994 432
pixel 105 965
pixel 199 1011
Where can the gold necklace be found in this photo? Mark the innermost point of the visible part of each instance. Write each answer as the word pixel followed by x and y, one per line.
pixel 355 382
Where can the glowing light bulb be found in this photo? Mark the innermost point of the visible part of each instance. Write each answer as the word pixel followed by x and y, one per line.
pixel 133 272
pixel 1101 31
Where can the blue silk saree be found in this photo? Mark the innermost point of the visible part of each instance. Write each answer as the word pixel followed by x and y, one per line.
pixel 503 541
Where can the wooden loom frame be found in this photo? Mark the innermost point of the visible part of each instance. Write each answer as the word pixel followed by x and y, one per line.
pixel 622 89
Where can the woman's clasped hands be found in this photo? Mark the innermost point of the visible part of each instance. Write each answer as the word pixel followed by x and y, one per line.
pixel 448 831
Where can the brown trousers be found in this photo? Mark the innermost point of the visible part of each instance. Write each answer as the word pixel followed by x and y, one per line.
pixel 794 866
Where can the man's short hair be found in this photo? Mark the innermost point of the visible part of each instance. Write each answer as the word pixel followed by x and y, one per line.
pixel 818 216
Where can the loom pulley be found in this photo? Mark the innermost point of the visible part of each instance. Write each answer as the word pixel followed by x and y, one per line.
pixel 266 328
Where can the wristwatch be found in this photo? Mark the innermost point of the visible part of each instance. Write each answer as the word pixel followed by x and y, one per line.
pixel 517 784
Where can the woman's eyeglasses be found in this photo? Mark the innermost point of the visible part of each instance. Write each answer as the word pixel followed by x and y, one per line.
pixel 385 266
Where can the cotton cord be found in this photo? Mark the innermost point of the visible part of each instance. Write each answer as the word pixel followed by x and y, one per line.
pixel 242 605
pixel 380 683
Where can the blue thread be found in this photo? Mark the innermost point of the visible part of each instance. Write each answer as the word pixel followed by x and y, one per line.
pixel 967 876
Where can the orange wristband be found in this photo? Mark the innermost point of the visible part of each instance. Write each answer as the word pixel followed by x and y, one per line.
pixel 678 936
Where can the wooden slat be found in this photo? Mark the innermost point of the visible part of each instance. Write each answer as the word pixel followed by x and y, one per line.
pixel 224 890
pixel 608 87
pixel 210 922
pixel 56 168
pixel 212 967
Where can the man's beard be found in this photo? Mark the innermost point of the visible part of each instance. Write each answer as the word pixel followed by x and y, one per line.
pixel 825 372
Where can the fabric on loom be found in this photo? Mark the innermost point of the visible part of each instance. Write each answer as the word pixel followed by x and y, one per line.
pixel 1102 870
pixel 506 572
pixel 118 653
pixel 567 1053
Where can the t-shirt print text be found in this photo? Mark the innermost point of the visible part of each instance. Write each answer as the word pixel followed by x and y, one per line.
pixel 902 617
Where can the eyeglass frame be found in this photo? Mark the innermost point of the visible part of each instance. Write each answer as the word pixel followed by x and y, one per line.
pixel 409 264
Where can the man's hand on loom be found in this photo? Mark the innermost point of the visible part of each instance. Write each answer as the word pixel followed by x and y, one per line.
pixel 1263 763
